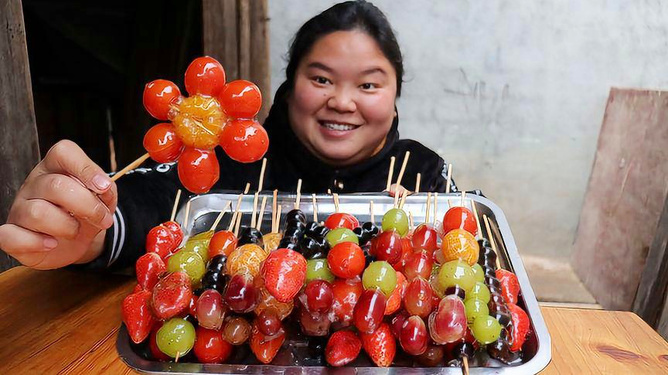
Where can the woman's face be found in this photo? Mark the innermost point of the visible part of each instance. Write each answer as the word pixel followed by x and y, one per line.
pixel 342 105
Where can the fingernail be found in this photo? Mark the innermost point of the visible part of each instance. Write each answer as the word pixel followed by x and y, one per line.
pixel 102 182
pixel 50 243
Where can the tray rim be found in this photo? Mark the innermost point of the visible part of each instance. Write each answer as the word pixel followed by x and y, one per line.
pixel 540 360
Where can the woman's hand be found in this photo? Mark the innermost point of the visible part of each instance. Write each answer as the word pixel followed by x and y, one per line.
pixel 397 190
pixel 61 212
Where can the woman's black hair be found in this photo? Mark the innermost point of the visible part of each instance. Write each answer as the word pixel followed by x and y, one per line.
pixel 350 15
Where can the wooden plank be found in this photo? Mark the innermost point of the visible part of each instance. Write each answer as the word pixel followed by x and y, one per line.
pixel 259 53
pixel 219 22
pixel 625 196
pixel 603 342
pixel 650 297
pixel 19 149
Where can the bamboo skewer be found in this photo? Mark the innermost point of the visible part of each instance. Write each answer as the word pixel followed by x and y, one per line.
pixel 417 182
pixel 236 213
pixel 428 208
pixel 238 224
pixel 336 202
pixel 465 364
pixel 259 221
pixel 261 183
pixel 463 198
pixel 373 220
pixel 130 167
pixel 220 216
pixel 477 218
pixel 403 199
pixel 491 241
pixel 410 221
pixel 278 219
pixel 403 169
pixel 176 205
pixel 315 209
pixel 449 183
pixel 390 173
pixel 435 207
pixel 273 212
pixel 299 193
pixel 254 212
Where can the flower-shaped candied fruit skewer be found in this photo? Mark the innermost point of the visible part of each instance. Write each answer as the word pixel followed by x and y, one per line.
pixel 214 113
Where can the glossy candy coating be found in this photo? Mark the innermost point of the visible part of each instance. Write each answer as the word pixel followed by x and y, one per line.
pixel 199 122
pixel 338 235
pixel 460 218
pixel 318 269
pixel 395 219
pixel 418 298
pixel 199 243
pixel 369 310
pixel 346 260
pixel 241 295
pixel 387 246
pixel 162 144
pixel 341 220
pixel 240 99
pixel 205 76
pixel 245 141
pixel 210 347
pixel 159 96
pixel 236 331
pixel 176 337
pixel 425 237
pixel 223 242
pixel 189 262
pixel 198 170
pixel 456 272
pixel 460 244
pixel 246 260
pixel 380 275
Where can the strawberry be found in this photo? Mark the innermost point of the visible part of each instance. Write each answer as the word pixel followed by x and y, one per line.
pixel 176 230
pixel 520 327
pixel 284 272
pixel 149 268
pixel 265 348
pixel 346 294
pixel 394 302
pixel 137 315
pixel 380 345
pixel 171 295
pixel 510 286
pixel 161 240
pixel 137 288
pixel 342 348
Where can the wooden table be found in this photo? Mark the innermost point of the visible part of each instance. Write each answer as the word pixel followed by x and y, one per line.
pixel 66 322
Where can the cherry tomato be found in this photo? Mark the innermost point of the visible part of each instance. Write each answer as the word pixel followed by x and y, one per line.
pixel 245 141
pixel 205 76
pixel 162 144
pixel 198 169
pixel 339 219
pixel 241 99
pixel 425 237
pixel 346 260
pixel 210 346
pixel 223 242
pixel 460 218
pixel 159 95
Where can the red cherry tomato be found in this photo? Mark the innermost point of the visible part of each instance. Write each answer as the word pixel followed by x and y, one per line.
pixel 425 237
pixel 339 219
pixel 176 230
pixel 162 144
pixel 245 141
pixel 210 346
pixel 346 260
pixel 198 169
pixel 460 218
pixel 159 95
pixel 223 242
pixel 241 99
pixel 205 76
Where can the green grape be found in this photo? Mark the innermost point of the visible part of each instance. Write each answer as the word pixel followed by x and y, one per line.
pixel 188 261
pixel 456 272
pixel 478 273
pixel 475 308
pixel 318 269
pixel 397 220
pixel 381 275
pixel 479 291
pixel 486 329
pixel 176 337
pixel 338 235
pixel 199 243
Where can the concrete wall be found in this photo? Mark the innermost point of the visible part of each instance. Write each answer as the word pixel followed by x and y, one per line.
pixel 513 92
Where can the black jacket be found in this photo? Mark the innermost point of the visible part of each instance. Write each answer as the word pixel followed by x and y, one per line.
pixel 146 194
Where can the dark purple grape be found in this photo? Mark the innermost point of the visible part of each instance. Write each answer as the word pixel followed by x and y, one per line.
pixel 456 290
pixel 250 235
pixel 483 243
pixel 295 230
pixel 295 216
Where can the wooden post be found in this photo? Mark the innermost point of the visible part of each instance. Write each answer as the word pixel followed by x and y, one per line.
pixel 19 149
pixel 235 32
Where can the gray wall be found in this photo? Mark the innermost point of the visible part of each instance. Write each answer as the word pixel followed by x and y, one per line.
pixel 513 92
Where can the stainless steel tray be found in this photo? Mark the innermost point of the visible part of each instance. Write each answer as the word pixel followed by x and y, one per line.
pixel 292 359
